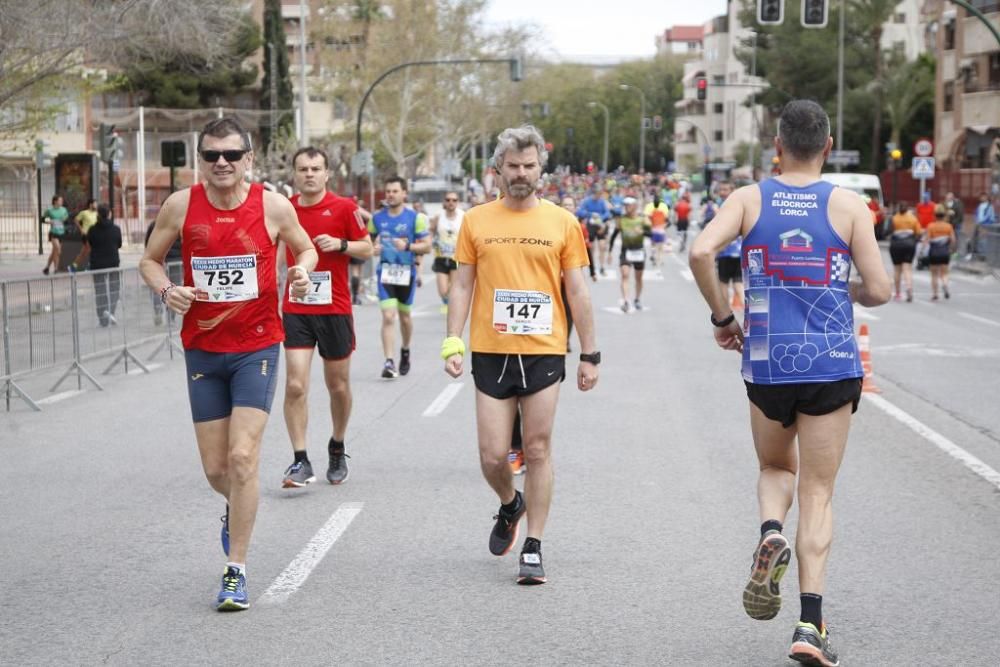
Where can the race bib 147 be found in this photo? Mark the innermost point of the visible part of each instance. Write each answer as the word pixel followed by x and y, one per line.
pixel 522 312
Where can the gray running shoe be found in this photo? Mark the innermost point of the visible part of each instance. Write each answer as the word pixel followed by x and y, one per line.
pixel 338 472
pixel 761 596
pixel 531 572
pixel 812 647
pixel 504 532
pixel 298 474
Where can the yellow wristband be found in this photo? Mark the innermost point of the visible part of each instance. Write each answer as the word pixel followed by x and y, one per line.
pixel 452 345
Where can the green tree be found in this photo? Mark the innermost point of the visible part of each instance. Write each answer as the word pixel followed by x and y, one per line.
pixel 870 15
pixel 198 83
pixel 909 95
pixel 275 63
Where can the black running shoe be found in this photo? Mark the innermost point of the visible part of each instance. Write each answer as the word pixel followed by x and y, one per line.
pixel 505 529
pixel 338 472
pixel 812 647
pixel 761 596
pixel 404 361
pixel 530 571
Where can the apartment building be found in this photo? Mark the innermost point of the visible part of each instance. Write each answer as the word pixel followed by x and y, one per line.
pixel 681 40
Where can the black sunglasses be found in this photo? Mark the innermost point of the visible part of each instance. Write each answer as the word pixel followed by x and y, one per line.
pixel 231 156
pixel 449 199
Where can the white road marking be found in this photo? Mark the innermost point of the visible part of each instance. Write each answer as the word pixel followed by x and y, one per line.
pixel 61 396
pixel 865 314
pixel 685 271
pixel 944 444
pixel 438 405
pixel 932 350
pixel 306 561
pixel 977 318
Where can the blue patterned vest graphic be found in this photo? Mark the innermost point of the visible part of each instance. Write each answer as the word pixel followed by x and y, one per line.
pixel 799 321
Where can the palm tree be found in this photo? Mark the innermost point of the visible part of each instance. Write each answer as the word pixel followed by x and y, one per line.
pixel 908 87
pixel 871 15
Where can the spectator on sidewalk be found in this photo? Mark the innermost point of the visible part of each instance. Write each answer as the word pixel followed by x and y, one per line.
pixel 986 215
pixel 175 270
pixel 55 216
pixel 956 212
pixel 85 219
pixel 105 239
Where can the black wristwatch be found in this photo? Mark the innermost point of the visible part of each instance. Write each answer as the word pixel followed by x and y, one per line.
pixel 343 245
pixel 594 358
pixel 724 322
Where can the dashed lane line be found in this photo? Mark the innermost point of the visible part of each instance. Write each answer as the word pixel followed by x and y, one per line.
pixel 306 561
pixel 439 404
pixel 977 318
pixel 971 462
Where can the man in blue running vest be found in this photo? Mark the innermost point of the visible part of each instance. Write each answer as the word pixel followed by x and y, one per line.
pixel 801 363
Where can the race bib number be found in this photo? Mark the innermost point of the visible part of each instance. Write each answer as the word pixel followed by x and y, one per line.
pixel 522 312
pixel 637 255
pixel 395 274
pixel 320 290
pixel 225 279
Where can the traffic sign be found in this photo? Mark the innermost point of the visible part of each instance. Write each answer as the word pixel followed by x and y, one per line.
pixel 844 157
pixel 923 147
pixel 720 166
pixel 361 162
pixel 922 168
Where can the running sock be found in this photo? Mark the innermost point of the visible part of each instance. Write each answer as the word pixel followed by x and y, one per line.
pixel 812 609
pixel 444 300
pixel 242 567
pixel 301 457
pixel 532 546
pixel 355 284
pixel 512 506
pixel 404 352
pixel 770 524
pixel 335 447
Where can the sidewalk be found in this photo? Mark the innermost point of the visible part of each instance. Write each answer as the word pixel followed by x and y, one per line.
pixel 30 266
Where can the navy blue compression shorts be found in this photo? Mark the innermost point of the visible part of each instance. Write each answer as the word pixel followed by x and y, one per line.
pixel 220 381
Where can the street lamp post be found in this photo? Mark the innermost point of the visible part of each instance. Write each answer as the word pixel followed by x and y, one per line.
pixel 607 124
pixel 642 124
pixel 516 73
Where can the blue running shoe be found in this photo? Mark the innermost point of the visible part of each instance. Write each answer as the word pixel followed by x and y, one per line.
pixel 224 535
pixel 233 596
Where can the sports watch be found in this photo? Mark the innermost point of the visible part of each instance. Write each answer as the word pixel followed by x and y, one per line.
pixel 343 245
pixel 593 358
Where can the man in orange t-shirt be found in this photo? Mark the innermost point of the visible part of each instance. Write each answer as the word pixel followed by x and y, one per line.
pixel 511 254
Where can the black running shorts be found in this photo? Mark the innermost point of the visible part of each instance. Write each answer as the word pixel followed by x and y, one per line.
pixel 729 269
pixel 444 265
pixel 332 334
pixel 782 402
pixel 509 375
pixel 682 225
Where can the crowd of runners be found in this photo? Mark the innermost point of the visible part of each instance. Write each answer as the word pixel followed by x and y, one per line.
pixel 260 270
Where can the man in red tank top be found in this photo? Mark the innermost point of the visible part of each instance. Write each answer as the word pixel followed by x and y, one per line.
pixel 324 318
pixel 231 331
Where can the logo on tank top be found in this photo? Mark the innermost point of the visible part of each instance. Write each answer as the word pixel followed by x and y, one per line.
pixel 222 219
pixel 796 240
pixel 794 203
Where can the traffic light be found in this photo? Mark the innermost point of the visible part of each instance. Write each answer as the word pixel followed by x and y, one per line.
pixel 701 84
pixel 770 12
pixel 111 145
pixel 42 157
pixel 516 69
pixel 173 153
pixel 896 154
pixel 814 13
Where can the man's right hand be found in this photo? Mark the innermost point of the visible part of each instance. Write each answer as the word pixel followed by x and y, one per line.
pixel 453 365
pixel 179 299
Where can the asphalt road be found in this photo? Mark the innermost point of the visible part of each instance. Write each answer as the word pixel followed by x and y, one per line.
pixel 109 547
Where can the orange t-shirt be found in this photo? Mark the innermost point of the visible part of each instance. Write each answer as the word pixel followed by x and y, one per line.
pixel 939 228
pixel 519 256
pixel 903 223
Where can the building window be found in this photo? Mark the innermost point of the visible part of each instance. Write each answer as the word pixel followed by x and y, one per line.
pixel 718 135
pixel 994 59
pixel 948 104
pixel 986 6
pixel 693 46
pixel 717 107
pixel 900 17
pixel 949 35
pixel 719 80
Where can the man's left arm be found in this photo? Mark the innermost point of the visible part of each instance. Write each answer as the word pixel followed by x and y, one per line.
pixel 281 214
pixel 578 298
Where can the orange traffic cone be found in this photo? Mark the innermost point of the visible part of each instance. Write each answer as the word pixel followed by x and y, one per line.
pixel 868 385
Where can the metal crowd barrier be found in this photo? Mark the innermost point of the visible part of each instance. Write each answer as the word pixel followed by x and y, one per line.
pixel 985 244
pixel 71 321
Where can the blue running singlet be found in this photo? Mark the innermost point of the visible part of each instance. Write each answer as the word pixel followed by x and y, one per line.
pixel 799 321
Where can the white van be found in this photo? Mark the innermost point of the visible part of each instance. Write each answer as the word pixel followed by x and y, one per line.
pixel 866 185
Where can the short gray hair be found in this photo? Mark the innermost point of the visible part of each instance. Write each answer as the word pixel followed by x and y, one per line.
pixel 519 139
pixel 803 129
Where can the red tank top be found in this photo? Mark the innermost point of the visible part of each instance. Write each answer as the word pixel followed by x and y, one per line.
pixel 229 258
